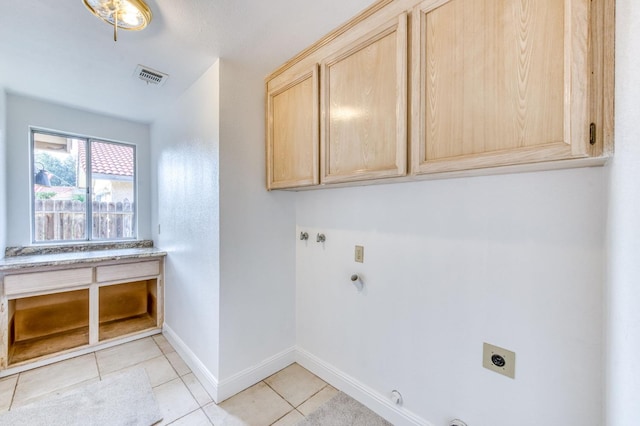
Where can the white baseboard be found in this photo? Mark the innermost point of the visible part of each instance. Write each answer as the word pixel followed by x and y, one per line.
pixel 208 380
pixel 242 380
pixel 224 389
pixel 377 402
pixel 221 390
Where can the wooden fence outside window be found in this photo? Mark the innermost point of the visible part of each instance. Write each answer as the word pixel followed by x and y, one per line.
pixel 65 220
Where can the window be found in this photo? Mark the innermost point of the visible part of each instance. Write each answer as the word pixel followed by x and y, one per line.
pixel 83 188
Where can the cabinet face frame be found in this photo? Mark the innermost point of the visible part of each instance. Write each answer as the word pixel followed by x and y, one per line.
pixel 398 26
pixel 576 121
pixel 137 271
pixel 309 147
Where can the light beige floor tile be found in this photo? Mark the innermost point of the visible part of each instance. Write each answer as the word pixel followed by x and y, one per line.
pixel 197 390
pixel 313 403
pixel 163 343
pixel 126 355
pixel 7 388
pixel 174 400
pixel 55 377
pixel 257 406
pixel 295 384
pixel 197 418
pixel 219 417
pixel 158 369
pixel 19 403
pixel 290 419
pixel 181 367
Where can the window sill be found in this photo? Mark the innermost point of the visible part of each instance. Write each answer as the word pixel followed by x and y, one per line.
pixel 84 246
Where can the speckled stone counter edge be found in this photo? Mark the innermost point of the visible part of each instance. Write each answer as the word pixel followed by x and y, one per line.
pixel 16 263
pixel 75 248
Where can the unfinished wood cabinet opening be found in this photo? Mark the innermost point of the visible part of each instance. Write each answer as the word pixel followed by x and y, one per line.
pixel 44 325
pixel 127 308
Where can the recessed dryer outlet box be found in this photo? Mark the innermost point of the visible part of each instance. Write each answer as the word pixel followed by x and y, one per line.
pixel 498 359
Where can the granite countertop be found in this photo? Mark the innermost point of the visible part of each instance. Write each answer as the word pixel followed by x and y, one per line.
pixel 73 258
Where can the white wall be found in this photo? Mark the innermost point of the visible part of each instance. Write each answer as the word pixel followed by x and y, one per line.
pixel 257 235
pixel 3 172
pixel 186 206
pixel 623 313
pixel 513 260
pixel 23 112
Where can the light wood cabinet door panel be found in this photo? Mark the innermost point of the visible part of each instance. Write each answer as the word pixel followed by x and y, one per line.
pixel 364 107
pixel 498 83
pixel 292 132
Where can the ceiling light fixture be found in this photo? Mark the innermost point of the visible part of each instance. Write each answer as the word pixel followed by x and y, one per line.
pixel 126 14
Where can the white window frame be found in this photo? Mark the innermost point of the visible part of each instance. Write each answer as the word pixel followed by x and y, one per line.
pixel 89 190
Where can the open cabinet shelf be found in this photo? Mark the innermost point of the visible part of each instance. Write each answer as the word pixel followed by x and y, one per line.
pixel 54 311
pixel 127 308
pixel 27 350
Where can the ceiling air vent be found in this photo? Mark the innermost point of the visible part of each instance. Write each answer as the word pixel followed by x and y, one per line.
pixel 151 76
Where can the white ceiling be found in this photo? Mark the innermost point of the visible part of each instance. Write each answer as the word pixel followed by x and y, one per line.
pixel 58 51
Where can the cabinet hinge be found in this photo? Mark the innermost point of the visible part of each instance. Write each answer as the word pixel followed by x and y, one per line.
pixel 592 134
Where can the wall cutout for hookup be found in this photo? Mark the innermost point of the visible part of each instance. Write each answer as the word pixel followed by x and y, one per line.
pixel 500 360
pixel 357 281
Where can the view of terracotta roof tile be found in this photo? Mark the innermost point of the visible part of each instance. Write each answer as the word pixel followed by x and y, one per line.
pixel 108 159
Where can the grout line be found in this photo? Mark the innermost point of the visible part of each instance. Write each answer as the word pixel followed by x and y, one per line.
pixel 165 341
pixel 154 341
pixel 286 414
pixel 278 393
pixel 15 389
pixel 58 389
pixel 133 365
pixel 95 358
pixel 191 393
pixel 174 368
pixel 190 412
pixel 325 385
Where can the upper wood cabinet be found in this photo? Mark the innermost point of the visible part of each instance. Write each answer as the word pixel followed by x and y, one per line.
pixel 500 83
pixel 364 107
pixel 292 131
pixel 430 88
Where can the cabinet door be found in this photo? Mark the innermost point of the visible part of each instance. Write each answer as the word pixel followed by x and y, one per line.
pixel 499 83
pixel 292 132
pixel 364 107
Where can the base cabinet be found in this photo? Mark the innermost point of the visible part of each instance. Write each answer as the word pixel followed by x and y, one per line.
pixel 47 316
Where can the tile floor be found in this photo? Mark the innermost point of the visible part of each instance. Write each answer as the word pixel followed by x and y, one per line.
pixel 280 400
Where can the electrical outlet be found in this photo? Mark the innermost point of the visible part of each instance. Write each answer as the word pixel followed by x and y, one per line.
pixel 498 359
pixel 359 254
